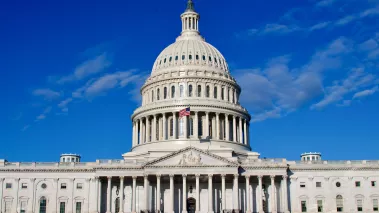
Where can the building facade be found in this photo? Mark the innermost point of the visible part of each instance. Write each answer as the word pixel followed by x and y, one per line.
pixel 196 162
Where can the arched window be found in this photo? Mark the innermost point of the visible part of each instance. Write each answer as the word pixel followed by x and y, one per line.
pixel 190 57
pixel 42 205
pixel 117 205
pixel 152 95
pixel 183 57
pixel 171 127
pixel 190 91
pixel 170 59
pixel 158 94
pixel 215 92
pixel 207 91
pixel 164 92
pixel 164 61
pixel 176 58
pixel 198 90
pixel 222 93
pixel 197 57
pixel 181 90
pixel 339 203
pixel 172 91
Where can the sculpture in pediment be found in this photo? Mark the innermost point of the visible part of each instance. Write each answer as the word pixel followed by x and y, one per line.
pixel 190 160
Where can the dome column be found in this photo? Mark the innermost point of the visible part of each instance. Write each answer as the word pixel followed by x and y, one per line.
pixel 164 125
pixel 234 129
pixel 195 126
pixel 227 128
pixel 174 126
pixel 217 126
pixel 147 129
pixel 245 131
pixel 140 131
pixel 240 130
pixel 206 124
pixel 154 129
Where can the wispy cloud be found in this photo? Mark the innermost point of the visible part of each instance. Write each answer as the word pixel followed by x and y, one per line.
pixel 365 93
pixel 87 68
pixel 325 3
pixel 274 28
pixel 25 128
pixel 47 94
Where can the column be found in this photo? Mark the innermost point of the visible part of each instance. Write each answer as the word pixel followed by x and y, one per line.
pixel 206 124
pixel 99 195
pixel 234 129
pixel 134 134
pixel 17 180
pixel 223 195
pixel 235 97
pixel 217 126
pixel 158 193
pixel 164 126
pixel 134 194
pixel 248 132
pixel 174 125
pixel 184 193
pixel 285 198
pixel 121 194
pixel 171 207
pixel 140 132
pixel 109 194
pixel 248 201
pixel 147 129
pixel 56 193
pixel 197 193
pixel 259 194
pixel 146 193
pixel 235 193
pixel 1 194
pixel 154 131
pixel 272 196
pixel 210 193
pixel 227 130
pixel 32 181
pixel 240 128
pixel 245 131
pixel 195 125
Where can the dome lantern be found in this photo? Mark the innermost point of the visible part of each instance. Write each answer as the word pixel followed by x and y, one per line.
pixel 190 20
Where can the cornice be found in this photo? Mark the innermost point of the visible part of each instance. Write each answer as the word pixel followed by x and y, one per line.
pixel 19 170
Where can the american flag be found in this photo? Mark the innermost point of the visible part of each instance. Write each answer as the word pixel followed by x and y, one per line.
pixel 184 112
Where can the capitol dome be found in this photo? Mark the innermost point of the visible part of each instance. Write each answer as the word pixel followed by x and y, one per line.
pixel 193 76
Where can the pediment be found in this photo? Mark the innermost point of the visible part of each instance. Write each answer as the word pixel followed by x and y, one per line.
pixel 191 157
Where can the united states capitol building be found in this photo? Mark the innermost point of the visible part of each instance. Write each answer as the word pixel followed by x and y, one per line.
pixel 202 162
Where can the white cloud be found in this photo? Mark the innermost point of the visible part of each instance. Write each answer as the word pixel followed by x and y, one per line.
pixel 87 68
pixel 40 117
pixel 274 28
pixel 320 26
pixel 365 93
pixel 63 104
pixel 325 3
pixel 345 20
pixel 47 94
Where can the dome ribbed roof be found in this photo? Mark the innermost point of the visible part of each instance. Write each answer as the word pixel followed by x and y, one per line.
pixel 190 52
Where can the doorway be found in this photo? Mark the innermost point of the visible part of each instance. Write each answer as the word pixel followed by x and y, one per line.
pixel 191 205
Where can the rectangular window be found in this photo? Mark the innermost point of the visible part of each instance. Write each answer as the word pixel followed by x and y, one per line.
pixel 302 184
pixel 373 183
pixel 357 184
pixel 8 206
pixel 78 207
pixel 318 184
pixel 79 186
pixel 375 205
pixel 8 185
pixel 319 206
pixel 303 206
pixel 359 205
pixel 24 185
pixel 63 186
pixel 62 207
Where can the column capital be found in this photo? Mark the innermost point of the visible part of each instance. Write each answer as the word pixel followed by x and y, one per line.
pixel 145 176
pixel 197 175
pixel 122 177
pixel 196 112
pixel 210 175
pixel 206 112
pixel 31 179
pixel 87 179
pixel 171 175
pixel 236 175
pixel 97 177
pixel 260 177
pixel 184 175
pixel 217 113
pixel 2 179
pixel 272 177
pixel 72 180
pixel 284 176
pixel 223 175
pixel 109 177
pixel 134 177
pixel 163 114
pixel 158 175
pixel 247 176
pixel 17 179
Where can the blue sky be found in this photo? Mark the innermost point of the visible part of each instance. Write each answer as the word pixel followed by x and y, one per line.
pixel 71 72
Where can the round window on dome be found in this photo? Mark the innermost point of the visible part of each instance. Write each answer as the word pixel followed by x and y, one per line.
pixel 43 186
pixel 338 184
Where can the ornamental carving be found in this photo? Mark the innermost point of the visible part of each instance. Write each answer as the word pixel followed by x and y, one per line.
pixel 190 160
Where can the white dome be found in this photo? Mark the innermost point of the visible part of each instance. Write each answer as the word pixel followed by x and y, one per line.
pixel 187 52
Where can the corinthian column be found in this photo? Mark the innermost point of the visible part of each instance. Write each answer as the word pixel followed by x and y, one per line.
pixel 158 193
pixel 109 194
pixel 171 207
pixel 184 193
pixel 134 194
pixel 197 193
pixel 164 126
pixel 259 194
pixel 210 193
pixel 245 131
pixel 285 198
pixel 206 124
pixel 272 196
pixel 147 129
pixel 146 193
pixel 122 194
pixel 248 209
pixel 223 196
pixel 217 126
pixel 240 130
pixel 235 193
pixel 154 129
pixel 174 125
pixel 140 131
pixel 195 126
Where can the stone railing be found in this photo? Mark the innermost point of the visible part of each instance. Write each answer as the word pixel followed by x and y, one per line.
pixel 336 162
